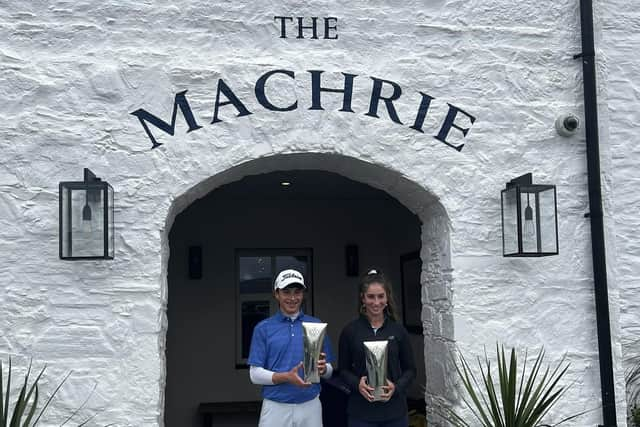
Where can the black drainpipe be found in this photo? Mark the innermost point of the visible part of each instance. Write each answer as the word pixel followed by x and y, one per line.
pixel 595 214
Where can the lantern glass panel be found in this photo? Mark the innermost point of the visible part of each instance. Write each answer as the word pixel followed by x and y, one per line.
pixel 509 221
pixel 548 223
pixel 110 223
pixel 528 219
pixel 87 224
pixel 86 233
pixel 65 222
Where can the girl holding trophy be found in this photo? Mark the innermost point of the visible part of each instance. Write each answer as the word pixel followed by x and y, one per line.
pixel 376 359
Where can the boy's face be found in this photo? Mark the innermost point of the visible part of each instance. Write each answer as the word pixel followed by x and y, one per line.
pixel 290 299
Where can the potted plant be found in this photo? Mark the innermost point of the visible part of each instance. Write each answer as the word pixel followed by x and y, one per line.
pixel 632 380
pixel 634 419
pixel 514 396
pixel 25 411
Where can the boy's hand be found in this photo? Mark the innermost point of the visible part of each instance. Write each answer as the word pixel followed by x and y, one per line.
pixel 290 377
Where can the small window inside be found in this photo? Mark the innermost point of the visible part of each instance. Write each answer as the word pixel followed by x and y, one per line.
pixel 256 272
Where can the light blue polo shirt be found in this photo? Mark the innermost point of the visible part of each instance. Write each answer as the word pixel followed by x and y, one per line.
pixel 277 345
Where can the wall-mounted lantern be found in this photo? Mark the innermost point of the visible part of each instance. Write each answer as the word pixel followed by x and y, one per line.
pixel 86 219
pixel 529 219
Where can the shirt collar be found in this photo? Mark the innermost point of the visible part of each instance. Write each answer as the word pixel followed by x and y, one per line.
pixel 280 316
pixel 364 319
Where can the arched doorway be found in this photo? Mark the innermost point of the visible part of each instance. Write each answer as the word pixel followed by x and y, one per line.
pixel 249 217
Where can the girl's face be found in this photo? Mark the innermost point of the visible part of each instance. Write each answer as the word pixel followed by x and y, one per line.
pixel 374 300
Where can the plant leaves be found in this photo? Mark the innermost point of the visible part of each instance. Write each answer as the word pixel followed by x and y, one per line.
pixel 26 400
pixel 80 408
pixel 6 401
pixel 515 397
pixel 2 411
pixel 32 411
pixel 18 408
pixel 26 404
pixel 51 398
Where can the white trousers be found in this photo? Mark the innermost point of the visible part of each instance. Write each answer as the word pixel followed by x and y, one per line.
pixel 276 414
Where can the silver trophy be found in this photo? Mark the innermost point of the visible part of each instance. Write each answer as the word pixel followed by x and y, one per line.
pixel 313 339
pixel 376 358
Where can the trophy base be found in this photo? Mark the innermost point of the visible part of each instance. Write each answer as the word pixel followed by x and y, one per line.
pixel 377 394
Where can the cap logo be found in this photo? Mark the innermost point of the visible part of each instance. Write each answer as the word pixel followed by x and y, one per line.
pixel 288 277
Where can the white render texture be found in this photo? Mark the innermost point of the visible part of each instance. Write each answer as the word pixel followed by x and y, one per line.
pixel 72 72
pixel 621 96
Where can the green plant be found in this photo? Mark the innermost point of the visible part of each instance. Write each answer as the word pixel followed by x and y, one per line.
pixel 516 398
pixel 635 416
pixel 25 406
pixel 632 382
pixel 416 419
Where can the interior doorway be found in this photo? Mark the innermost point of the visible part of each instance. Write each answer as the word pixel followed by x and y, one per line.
pixel 217 289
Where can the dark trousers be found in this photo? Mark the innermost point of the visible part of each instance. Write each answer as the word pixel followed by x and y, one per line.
pixel 396 422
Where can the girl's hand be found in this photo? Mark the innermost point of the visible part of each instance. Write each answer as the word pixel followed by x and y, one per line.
pixel 365 390
pixel 387 391
pixel 322 364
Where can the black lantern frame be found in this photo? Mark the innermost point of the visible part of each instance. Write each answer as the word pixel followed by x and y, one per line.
pixel 529 218
pixel 86 219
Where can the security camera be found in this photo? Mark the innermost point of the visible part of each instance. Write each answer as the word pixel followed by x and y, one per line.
pixel 567 124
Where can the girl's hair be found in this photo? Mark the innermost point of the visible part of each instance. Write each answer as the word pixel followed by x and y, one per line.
pixel 375 276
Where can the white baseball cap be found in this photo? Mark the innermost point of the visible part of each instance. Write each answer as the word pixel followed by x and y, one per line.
pixel 288 277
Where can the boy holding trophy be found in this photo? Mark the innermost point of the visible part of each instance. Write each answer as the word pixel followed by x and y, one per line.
pixel 288 356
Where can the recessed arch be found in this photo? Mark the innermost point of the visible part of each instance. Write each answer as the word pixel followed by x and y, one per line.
pixel 436 275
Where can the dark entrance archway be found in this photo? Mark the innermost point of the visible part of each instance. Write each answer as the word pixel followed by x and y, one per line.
pixel 320 212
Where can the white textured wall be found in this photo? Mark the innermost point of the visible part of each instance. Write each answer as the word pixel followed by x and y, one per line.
pixel 619 45
pixel 72 72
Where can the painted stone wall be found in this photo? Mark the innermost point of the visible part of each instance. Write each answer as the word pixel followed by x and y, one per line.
pixel 72 74
pixel 621 96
